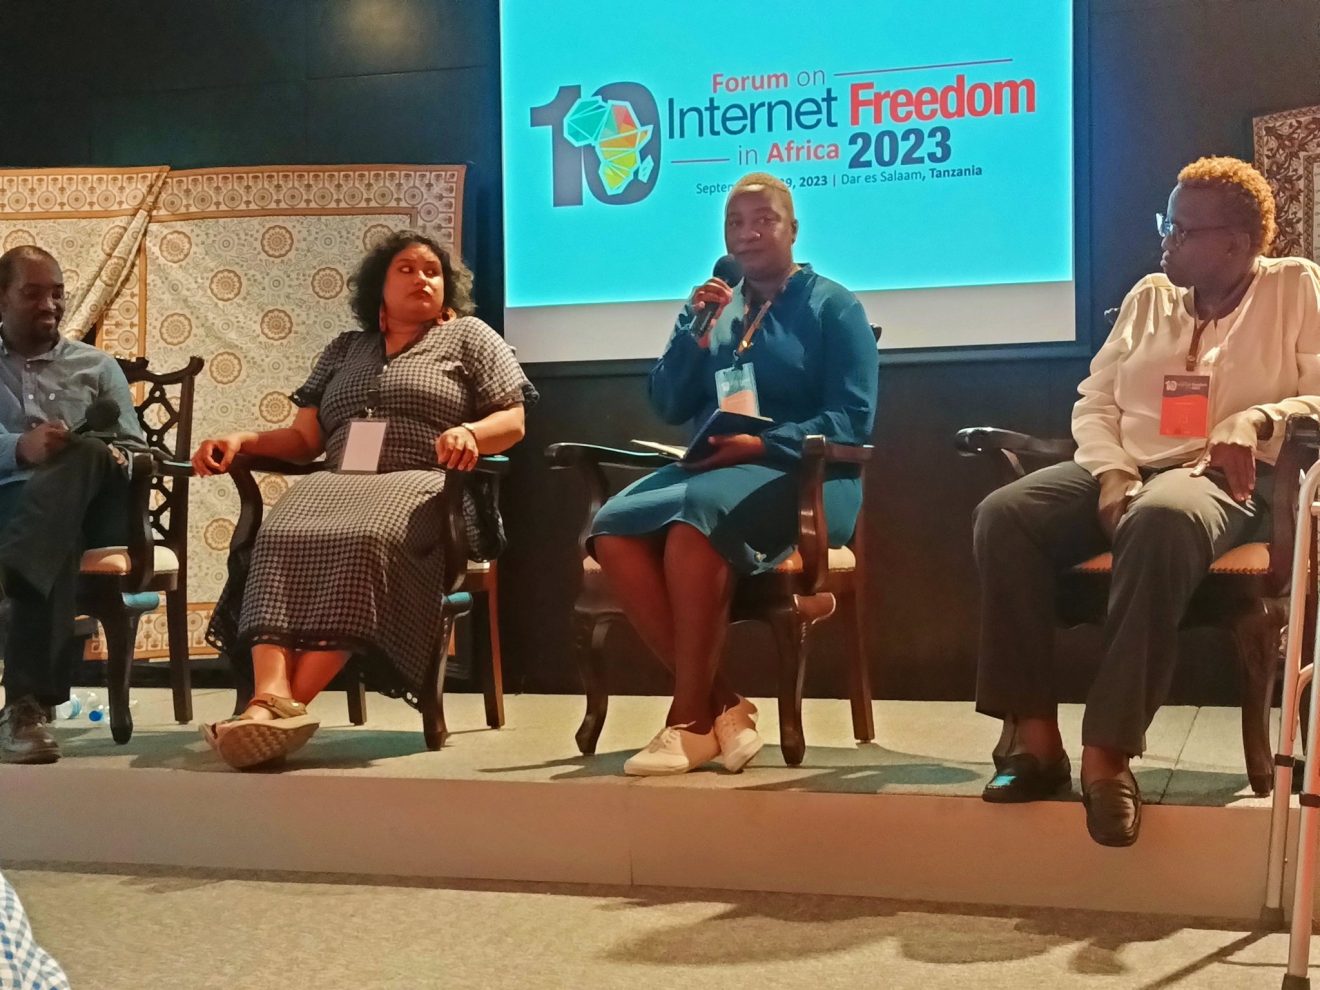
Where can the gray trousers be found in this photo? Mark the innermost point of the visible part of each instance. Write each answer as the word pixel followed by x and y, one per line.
pixel 77 500
pixel 1028 532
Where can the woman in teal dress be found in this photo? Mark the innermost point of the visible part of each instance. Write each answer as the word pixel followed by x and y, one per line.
pixel 673 543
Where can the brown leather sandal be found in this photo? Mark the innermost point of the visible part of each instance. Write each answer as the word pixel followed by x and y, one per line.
pixel 245 742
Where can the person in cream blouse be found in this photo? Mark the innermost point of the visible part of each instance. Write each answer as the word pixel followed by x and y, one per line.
pixel 1177 426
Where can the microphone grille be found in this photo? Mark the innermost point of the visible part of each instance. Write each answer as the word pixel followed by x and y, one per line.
pixel 728 269
pixel 102 414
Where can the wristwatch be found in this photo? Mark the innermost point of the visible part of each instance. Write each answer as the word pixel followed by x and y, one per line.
pixel 471 429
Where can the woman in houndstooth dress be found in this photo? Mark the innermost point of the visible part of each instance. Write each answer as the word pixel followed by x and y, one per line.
pixel 350 563
pixel 24 965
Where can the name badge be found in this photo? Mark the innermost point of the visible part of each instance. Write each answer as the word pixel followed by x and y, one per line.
pixel 362 449
pixel 1185 406
pixel 736 390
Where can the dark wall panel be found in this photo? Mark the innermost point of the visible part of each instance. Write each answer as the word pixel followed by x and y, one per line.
pixel 222 82
pixel 259 124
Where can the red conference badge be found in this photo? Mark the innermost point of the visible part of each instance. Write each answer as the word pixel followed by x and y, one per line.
pixel 1185 406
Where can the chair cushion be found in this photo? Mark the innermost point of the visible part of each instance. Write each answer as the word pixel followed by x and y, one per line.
pixel 114 560
pixel 840 559
pixel 1250 558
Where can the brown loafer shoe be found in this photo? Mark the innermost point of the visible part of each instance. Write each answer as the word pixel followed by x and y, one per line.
pixel 25 735
pixel 1113 809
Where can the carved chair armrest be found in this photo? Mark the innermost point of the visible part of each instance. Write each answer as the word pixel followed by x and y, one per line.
pixel 494 465
pixel 562 455
pixel 173 469
pixel 1301 442
pixel 1008 448
pixel 813 530
pixel 141 539
pixel 251 507
pixel 590 460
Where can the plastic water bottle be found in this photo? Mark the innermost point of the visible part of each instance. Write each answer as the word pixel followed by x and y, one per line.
pixel 101 713
pixel 78 705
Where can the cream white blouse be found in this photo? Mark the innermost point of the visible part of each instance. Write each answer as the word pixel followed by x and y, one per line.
pixel 1265 354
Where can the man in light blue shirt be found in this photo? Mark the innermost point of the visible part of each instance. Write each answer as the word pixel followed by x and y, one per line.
pixel 61 492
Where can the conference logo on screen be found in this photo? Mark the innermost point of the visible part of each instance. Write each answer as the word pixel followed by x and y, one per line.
pixel 607 142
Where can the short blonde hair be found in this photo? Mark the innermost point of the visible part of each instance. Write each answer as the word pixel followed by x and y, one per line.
pixel 763 180
pixel 1247 193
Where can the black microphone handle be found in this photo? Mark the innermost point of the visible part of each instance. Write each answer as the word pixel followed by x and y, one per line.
pixel 701 325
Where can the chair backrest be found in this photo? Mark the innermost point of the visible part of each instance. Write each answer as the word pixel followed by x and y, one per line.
pixel 165 410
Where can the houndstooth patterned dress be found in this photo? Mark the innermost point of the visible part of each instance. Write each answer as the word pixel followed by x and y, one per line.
pixel 24 965
pixel 355 561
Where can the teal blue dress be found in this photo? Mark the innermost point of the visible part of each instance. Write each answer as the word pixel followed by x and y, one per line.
pixel 815 362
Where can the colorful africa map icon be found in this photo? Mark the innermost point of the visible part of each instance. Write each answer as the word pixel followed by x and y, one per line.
pixel 612 130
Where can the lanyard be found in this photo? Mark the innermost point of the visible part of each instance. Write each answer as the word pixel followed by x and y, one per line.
pixel 745 344
pixel 1198 328
pixel 386 359
pixel 1194 349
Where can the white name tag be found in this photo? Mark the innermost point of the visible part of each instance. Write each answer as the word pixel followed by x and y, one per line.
pixel 362 449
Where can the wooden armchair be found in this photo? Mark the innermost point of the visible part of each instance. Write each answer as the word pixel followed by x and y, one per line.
pixel 1245 591
pixel 469 588
pixel 791 599
pixel 117 585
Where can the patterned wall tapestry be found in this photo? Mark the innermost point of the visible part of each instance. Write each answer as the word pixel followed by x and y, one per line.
pixel 1288 153
pixel 248 268
pixel 93 221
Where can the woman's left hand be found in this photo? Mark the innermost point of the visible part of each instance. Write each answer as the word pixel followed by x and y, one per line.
pixel 736 448
pixel 1231 447
pixel 456 449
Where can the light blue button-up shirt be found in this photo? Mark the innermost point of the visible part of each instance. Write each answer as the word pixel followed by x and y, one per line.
pixel 58 385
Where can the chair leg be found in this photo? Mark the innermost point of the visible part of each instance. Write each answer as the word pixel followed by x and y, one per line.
pixel 1257 633
pixel 433 691
pixel 859 678
pixel 433 695
pixel 791 624
pixel 485 623
pixel 120 626
pixel 176 620
pixel 356 691
pixel 589 631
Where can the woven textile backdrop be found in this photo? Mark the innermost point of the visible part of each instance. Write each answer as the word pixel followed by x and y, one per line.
pixel 246 267
pixel 1288 154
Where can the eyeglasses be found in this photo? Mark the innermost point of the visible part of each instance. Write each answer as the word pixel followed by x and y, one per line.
pixel 1167 227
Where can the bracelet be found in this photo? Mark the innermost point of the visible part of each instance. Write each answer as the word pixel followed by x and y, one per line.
pixel 473 430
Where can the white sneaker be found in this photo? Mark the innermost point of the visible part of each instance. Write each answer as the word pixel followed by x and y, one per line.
pixel 675 749
pixel 739 741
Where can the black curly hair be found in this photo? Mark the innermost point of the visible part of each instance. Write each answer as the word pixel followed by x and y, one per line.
pixel 367 285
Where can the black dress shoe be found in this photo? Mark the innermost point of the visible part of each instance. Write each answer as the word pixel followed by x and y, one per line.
pixel 1022 777
pixel 1113 809
pixel 25 735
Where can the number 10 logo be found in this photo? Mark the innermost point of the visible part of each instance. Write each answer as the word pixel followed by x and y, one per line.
pixel 610 140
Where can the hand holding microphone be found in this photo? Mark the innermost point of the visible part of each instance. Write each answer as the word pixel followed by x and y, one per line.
pixel 710 298
pixel 41 443
pixel 45 440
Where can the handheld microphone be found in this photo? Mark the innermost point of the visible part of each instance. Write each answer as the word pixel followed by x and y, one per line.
pixel 730 272
pixel 101 415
